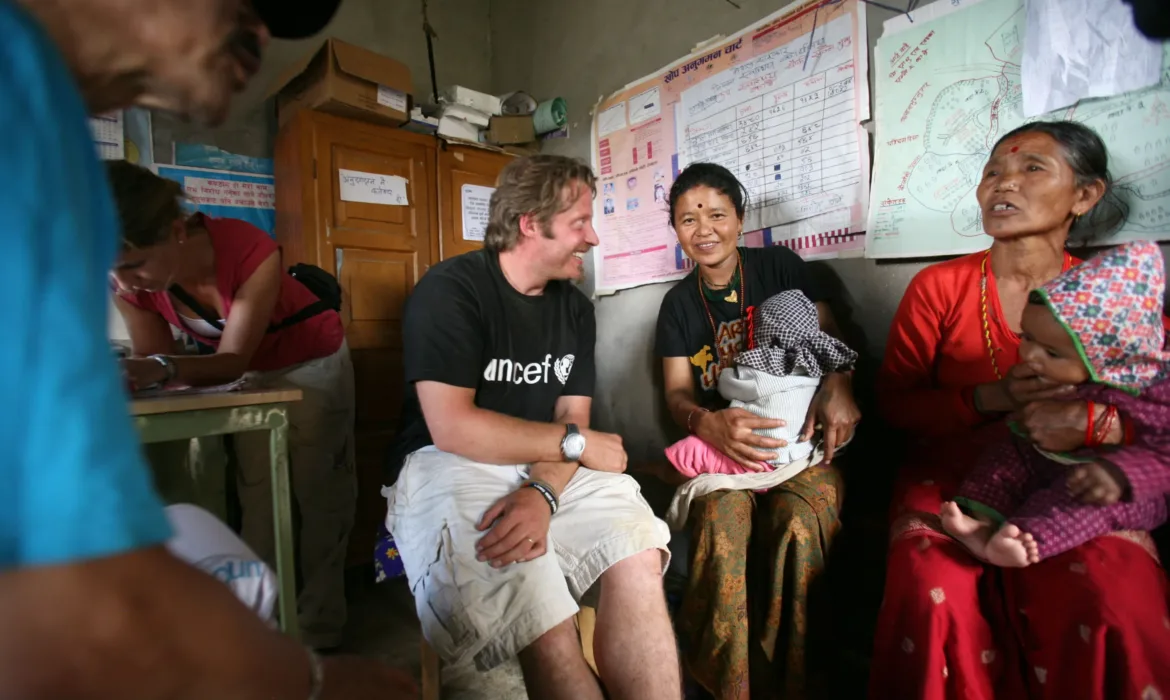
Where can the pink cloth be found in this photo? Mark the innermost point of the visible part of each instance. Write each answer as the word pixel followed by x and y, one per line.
pixel 691 456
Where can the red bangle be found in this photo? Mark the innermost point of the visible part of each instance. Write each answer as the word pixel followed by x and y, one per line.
pixel 1089 425
pixel 1126 430
pixel 1107 426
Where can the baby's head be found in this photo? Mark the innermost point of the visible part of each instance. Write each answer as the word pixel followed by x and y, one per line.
pixel 1101 321
pixel 1047 348
pixel 784 336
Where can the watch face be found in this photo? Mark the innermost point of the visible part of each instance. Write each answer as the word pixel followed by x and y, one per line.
pixel 574 446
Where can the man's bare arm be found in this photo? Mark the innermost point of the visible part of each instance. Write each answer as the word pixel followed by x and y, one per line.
pixel 460 427
pixel 570 409
pixel 146 625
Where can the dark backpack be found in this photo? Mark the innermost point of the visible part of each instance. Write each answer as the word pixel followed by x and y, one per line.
pixel 323 285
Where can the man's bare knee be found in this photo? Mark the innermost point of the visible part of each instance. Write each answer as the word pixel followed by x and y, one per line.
pixel 643 565
pixel 558 643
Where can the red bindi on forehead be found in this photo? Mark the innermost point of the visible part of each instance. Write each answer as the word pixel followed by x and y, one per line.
pixel 1015 148
pixel 700 206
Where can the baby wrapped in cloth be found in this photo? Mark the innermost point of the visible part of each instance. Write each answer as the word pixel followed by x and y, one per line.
pixel 777 378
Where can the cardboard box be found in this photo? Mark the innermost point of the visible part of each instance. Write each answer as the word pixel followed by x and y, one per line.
pixel 509 130
pixel 346 80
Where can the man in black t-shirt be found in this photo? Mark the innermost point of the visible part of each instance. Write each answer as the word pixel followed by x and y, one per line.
pixel 506 509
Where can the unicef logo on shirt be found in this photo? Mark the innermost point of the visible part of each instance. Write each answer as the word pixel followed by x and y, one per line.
pixel 505 370
pixel 228 568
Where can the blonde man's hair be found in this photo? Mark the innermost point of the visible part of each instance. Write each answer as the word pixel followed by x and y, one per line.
pixel 542 186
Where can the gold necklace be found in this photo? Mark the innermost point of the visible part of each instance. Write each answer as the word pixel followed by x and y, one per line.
pixel 986 315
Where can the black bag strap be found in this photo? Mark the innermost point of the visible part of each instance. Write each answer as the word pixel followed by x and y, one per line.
pixel 182 295
pixel 317 307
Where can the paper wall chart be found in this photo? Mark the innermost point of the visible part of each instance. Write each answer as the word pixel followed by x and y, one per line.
pixel 946 90
pixel 251 198
pixel 782 115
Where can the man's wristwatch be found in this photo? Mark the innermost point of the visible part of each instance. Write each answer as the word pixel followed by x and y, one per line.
pixel 573 444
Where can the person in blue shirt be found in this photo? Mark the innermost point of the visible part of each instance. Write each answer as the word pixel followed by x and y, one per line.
pixel 92 605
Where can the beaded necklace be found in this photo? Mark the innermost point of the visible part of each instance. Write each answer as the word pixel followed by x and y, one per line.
pixel 739 271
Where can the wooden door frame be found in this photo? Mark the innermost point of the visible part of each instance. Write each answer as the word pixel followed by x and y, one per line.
pixel 312 224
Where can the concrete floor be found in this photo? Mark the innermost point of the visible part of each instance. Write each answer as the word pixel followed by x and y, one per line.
pixel 383 625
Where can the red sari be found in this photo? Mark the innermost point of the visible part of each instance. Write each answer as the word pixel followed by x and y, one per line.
pixel 1090 623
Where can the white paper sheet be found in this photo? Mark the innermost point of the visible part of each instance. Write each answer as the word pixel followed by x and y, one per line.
pixel 1074 49
pixel 645 106
pixel 612 119
pixel 389 97
pixel 108 135
pixel 476 201
pixel 372 188
pixel 926 13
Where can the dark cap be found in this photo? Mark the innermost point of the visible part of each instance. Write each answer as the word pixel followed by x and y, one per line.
pixel 1151 18
pixel 295 19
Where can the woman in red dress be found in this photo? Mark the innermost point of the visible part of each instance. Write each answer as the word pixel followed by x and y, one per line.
pixel 1089 623
pixel 221 281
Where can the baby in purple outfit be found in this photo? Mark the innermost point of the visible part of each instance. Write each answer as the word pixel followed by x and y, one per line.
pixel 1098 326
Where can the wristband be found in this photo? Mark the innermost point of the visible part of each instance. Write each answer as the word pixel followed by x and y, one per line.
pixel 316 675
pixel 691 415
pixel 544 490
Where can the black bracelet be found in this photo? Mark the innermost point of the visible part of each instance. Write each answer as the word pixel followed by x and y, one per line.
pixel 545 490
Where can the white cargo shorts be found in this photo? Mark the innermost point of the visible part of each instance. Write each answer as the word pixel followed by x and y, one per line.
pixel 470 610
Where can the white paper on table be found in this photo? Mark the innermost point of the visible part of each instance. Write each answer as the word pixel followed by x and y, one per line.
pixel 476 205
pixel 1074 49
pixel 181 390
pixel 372 188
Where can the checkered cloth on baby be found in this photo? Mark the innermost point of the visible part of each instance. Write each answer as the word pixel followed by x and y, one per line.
pixel 785 334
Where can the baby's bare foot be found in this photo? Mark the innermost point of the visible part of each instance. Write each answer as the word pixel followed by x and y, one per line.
pixel 1010 547
pixel 971 533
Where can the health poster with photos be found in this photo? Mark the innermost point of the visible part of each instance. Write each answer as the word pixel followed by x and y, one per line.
pixel 779 104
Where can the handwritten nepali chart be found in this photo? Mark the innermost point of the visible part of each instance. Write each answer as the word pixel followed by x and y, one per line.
pixel 948 86
pixel 779 104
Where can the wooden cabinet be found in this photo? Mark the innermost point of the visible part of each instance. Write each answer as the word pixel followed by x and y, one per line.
pixel 459 166
pixel 378 252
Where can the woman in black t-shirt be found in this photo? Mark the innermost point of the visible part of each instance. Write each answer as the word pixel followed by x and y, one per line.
pixel 700 331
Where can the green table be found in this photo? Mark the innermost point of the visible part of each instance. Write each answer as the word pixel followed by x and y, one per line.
pixel 186 416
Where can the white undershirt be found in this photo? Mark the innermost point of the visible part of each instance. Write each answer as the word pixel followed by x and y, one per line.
pixel 203 328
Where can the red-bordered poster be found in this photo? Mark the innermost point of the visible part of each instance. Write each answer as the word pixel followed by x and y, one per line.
pixel 779 104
